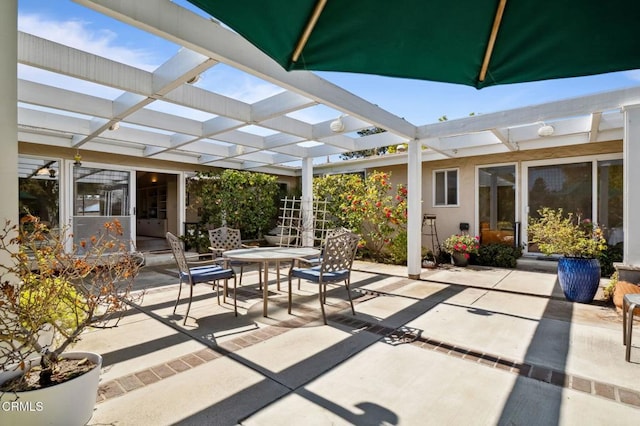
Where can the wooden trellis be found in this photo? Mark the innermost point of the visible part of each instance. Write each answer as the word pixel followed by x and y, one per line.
pixel 291 225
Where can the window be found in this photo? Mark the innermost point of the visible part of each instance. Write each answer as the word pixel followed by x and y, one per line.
pixel 445 189
pixel 40 189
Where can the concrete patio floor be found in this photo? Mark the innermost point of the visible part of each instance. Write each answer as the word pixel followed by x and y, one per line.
pixel 472 346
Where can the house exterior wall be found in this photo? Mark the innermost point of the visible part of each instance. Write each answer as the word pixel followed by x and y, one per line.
pixel 448 219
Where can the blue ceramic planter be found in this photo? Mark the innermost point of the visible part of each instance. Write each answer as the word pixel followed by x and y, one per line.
pixel 579 278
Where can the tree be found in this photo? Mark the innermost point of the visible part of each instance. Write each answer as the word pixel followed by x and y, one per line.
pixel 366 152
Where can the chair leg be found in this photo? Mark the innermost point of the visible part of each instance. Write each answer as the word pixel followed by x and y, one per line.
pixel 235 297
pixel 632 306
pixel 260 275
pixel 624 321
pixel 186 315
pixel 290 297
pixel 217 287
pixel 241 271
pixel 178 299
pixel 346 284
pixel 322 298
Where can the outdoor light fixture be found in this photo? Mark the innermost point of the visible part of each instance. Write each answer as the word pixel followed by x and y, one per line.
pixel 77 159
pixel 337 125
pixel 44 171
pixel 545 130
pixel 52 173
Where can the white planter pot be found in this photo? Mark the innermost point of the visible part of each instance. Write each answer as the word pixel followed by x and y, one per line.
pixel 69 403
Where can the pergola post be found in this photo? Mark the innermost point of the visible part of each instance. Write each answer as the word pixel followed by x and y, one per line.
pixel 630 268
pixel 307 202
pixel 414 210
pixel 9 113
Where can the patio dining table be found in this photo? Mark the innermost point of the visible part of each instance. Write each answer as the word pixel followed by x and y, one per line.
pixel 265 255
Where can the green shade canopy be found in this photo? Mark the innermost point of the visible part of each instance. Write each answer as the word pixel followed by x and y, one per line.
pixel 446 41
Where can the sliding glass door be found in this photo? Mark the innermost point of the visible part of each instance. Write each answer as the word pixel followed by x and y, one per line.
pixel 590 190
pixel 497 204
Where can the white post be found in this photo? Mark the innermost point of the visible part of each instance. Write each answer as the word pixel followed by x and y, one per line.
pixel 631 157
pixel 8 114
pixel 414 210
pixel 307 202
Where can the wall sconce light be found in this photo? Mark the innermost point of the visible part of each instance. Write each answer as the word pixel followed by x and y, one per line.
pixel 52 173
pixel 337 125
pixel 545 130
pixel 114 126
pixel 77 160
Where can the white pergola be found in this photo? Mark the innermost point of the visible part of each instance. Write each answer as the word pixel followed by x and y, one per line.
pixel 268 135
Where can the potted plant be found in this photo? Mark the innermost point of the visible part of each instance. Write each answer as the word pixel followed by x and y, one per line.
pixel 48 296
pixel 461 247
pixel 579 243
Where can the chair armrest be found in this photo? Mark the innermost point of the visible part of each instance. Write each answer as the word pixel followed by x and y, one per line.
pixel 297 261
pixel 212 261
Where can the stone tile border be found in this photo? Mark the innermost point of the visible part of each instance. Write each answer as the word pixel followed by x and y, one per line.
pixel 392 336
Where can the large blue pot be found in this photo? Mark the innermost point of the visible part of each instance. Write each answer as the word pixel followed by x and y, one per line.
pixel 579 278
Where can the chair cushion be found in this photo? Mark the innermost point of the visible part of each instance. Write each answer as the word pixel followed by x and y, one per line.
pixel 313 274
pixel 202 274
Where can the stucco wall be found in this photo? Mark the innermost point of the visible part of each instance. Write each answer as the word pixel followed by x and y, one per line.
pixel 448 219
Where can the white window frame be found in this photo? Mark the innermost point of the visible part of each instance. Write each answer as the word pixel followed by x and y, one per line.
pixel 434 189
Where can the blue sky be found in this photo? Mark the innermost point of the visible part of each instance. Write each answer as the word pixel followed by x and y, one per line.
pixel 420 102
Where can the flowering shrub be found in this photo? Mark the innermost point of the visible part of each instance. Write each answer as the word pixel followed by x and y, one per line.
pixel 370 207
pixel 461 243
pixel 566 235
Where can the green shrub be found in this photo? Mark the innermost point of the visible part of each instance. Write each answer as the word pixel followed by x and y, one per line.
pixel 498 255
pixel 607 258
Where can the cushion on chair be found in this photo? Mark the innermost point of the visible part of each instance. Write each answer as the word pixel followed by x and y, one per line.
pixel 202 274
pixel 313 274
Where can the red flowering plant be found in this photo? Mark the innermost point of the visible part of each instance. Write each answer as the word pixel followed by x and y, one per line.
pixel 462 243
pixel 371 207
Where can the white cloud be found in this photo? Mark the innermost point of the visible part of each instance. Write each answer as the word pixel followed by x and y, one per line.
pixel 78 34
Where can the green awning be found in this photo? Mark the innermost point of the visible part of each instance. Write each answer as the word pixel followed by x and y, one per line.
pixel 445 41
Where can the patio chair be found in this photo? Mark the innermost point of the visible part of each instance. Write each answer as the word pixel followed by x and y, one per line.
pixel 330 232
pixel 629 304
pixel 204 272
pixel 335 266
pixel 223 239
